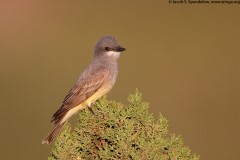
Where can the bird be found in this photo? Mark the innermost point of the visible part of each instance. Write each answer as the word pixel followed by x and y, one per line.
pixel 94 82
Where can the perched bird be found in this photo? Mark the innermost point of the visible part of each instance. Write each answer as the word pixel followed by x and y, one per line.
pixel 95 81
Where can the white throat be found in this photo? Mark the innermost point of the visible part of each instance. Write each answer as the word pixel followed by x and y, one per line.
pixel 113 54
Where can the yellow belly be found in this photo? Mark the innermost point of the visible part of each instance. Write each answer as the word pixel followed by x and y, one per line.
pixel 101 92
pixel 87 102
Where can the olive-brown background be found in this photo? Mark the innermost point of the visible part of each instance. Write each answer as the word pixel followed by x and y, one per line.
pixel 184 58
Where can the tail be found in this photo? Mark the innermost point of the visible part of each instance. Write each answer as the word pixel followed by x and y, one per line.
pixel 52 135
pixel 60 118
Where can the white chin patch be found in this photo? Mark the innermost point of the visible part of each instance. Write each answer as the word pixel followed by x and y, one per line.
pixel 113 54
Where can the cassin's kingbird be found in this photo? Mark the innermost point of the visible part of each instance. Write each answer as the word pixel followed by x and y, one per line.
pixel 95 81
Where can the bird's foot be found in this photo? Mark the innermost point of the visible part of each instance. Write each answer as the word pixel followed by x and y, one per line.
pixel 90 109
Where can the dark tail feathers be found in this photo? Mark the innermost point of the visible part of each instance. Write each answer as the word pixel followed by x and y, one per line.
pixel 52 135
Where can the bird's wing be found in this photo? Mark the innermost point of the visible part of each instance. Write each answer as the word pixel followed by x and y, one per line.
pixel 90 81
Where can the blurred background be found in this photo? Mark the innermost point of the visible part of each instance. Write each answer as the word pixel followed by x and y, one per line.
pixel 183 58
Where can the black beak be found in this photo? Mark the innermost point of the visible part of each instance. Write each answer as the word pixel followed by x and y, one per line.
pixel 120 49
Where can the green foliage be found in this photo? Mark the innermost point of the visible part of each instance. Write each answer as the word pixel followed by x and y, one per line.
pixel 120 132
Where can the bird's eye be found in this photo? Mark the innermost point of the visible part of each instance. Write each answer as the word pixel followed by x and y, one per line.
pixel 107 49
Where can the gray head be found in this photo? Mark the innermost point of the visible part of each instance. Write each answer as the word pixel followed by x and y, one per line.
pixel 108 47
